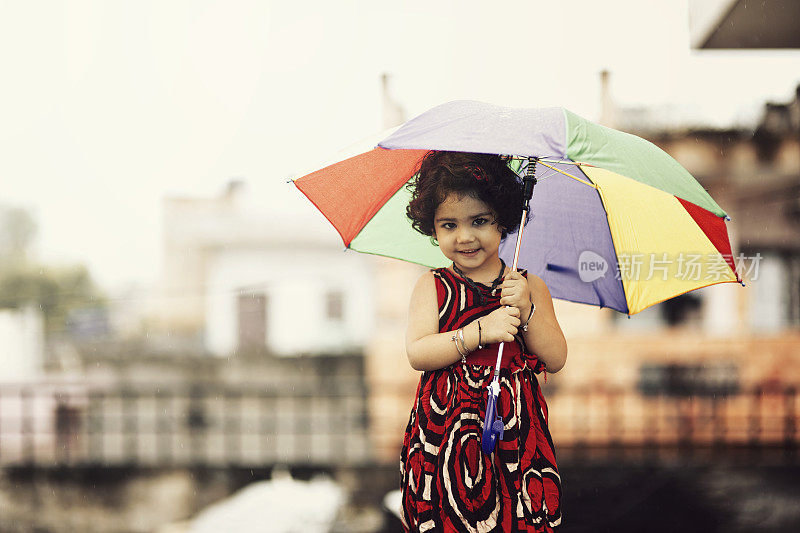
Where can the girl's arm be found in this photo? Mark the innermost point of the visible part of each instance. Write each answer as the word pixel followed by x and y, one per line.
pixel 427 349
pixel 544 336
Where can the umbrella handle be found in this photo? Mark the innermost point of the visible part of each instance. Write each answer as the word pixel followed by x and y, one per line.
pixel 492 423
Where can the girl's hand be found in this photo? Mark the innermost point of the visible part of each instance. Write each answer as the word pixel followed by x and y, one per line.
pixel 516 292
pixel 500 325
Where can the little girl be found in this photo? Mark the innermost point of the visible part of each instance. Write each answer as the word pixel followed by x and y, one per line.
pixel 468 203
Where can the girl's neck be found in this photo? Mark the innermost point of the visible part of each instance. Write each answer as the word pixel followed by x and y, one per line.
pixel 485 275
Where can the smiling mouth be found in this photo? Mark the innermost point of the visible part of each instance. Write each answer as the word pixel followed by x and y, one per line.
pixel 468 252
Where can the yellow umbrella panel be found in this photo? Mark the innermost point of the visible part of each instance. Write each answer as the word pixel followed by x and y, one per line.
pixel 665 246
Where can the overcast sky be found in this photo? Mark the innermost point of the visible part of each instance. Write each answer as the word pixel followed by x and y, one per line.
pixel 106 107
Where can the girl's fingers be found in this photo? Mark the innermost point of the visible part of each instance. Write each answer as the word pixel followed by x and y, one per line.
pixel 506 298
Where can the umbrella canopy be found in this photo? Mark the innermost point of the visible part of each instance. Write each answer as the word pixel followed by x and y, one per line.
pixel 615 221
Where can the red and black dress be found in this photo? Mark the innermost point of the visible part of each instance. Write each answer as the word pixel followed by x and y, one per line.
pixel 448 483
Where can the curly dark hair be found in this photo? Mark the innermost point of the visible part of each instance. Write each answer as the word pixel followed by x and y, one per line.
pixel 485 177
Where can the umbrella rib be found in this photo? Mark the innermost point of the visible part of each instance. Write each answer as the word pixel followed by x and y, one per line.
pixel 562 162
pixel 554 161
pixel 592 185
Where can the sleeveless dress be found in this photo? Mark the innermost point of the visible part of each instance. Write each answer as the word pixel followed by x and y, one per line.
pixel 448 483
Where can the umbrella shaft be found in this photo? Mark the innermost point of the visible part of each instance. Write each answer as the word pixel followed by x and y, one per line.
pixel 513 267
pixel 519 238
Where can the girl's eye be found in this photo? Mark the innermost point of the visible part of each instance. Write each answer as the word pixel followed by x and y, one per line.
pixel 480 221
pixel 448 225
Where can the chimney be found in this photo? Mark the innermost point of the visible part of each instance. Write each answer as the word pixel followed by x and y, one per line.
pixel 392 114
pixel 608 109
pixel 234 192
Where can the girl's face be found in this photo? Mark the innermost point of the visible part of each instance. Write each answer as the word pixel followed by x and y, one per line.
pixel 467 232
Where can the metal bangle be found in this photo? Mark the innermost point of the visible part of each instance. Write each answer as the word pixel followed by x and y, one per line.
pixel 525 325
pixel 461 338
pixel 454 338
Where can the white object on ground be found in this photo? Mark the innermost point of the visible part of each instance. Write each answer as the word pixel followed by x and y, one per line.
pixel 280 505
pixel 393 501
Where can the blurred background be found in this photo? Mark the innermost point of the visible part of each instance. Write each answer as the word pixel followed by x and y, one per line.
pixel 184 346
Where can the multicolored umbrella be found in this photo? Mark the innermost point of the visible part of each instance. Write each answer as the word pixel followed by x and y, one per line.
pixel 615 221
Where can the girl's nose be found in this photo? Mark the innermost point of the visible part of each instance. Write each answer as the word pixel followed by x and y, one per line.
pixel 464 235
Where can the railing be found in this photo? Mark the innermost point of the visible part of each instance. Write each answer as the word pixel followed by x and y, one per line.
pixel 180 426
pixel 760 417
pixel 247 426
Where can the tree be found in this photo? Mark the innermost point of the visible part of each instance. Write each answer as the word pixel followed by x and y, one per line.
pixel 55 291
pixel 17 231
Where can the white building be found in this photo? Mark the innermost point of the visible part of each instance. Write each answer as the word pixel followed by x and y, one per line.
pixel 262 269
pixel 21 344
